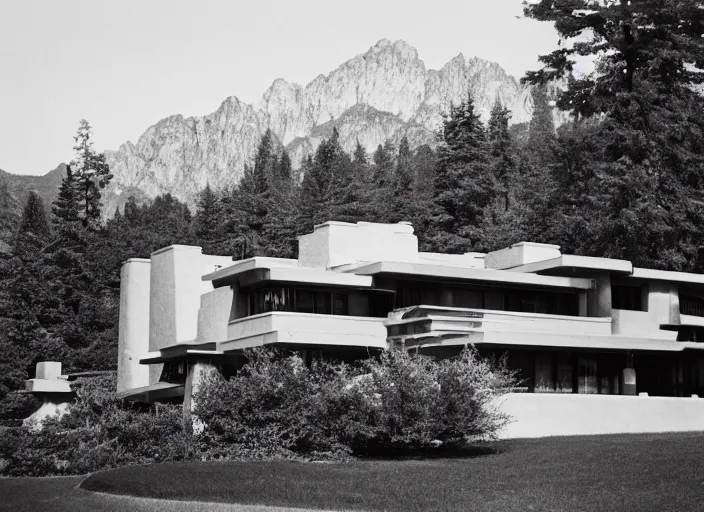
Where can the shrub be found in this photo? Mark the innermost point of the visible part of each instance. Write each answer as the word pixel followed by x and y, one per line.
pixel 98 432
pixel 276 406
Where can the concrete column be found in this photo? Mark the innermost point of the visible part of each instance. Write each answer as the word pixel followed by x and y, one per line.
pixel 628 382
pixel 198 373
pixel 599 299
pixel 663 303
pixel 133 337
pixel 176 287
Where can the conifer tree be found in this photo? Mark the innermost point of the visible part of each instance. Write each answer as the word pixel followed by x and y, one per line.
pixel 9 218
pixel 65 207
pixel 208 219
pixel 644 159
pixel 33 230
pixel 464 183
pixel 324 183
pixel 91 173
pixel 402 202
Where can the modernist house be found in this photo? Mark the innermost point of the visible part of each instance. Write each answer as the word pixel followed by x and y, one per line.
pixel 571 325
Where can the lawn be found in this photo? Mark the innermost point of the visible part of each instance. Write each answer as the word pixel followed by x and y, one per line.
pixel 654 472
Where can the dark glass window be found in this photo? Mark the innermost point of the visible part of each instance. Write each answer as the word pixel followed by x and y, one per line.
pixel 299 300
pixel 690 305
pixel 626 297
pixel 339 304
pixel 305 301
pixel 323 303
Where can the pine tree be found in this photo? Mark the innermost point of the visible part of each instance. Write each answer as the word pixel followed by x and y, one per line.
pixel 9 218
pixel 502 150
pixel 402 201
pixel 65 207
pixel 541 130
pixel 641 173
pixel 464 182
pixel 91 173
pixel 33 230
pixel 207 222
pixel 284 168
pixel 324 183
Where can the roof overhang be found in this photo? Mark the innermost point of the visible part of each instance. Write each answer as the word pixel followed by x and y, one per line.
pixel 472 274
pixel 182 351
pixel 569 265
pixel 260 270
pixel 668 275
pixel 153 392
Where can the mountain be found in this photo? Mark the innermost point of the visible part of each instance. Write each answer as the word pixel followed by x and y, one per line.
pixel 45 186
pixel 379 95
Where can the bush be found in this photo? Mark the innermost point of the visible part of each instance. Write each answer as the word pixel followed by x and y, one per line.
pixel 275 407
pixel 399 402
pixel 98 432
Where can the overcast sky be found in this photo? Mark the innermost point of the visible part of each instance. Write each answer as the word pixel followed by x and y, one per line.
pixel 123 65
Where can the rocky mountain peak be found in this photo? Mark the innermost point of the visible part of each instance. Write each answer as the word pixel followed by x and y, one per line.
pixel 382 94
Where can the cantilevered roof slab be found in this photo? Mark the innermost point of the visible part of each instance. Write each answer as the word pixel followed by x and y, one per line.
pixel 470 274
pixel 569 265
pixel 181 351
pixel 667 275
pixel 257 270
pixel 153 393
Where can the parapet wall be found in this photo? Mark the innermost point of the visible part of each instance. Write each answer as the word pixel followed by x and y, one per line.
pixel 338 243
pixel 543 415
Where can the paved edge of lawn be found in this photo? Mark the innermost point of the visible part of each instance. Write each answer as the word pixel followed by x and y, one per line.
pixel 192 506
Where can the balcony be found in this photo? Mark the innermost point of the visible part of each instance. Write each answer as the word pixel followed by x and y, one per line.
pixel 304 329
pixel 422 326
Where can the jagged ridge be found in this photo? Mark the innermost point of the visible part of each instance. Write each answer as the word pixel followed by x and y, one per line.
pixel 385 93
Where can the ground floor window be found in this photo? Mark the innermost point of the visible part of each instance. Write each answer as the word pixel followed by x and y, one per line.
pixel 564 371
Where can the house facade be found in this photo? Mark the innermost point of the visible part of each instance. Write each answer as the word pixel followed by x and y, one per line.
pixel 590 337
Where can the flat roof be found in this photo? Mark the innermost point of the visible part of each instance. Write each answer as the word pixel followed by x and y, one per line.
pixel 568 262
pixel 286 271
pixel 471 274
pixel 668 275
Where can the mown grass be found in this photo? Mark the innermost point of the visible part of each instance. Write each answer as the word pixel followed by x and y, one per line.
pixel 653 472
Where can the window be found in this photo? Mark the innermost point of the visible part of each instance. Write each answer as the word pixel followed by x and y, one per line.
pixel 300 300
pixel 339 304
pixel 690 305
pixel 305 301
pixel 627 297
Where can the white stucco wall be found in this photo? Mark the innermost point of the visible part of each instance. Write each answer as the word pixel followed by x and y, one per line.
pixel 337 243
pixel 639 324
pixel 133 337
pixel 214 314
pixel 542 415
pixel 176 288
pixel 304 328
pixel 521 253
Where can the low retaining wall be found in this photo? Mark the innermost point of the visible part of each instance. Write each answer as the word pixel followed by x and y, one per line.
pixel 542 415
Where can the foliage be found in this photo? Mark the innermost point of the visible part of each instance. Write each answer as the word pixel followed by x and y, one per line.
pixel 464 183
pixel 98 432
pixel 89 173
pixel 276 406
